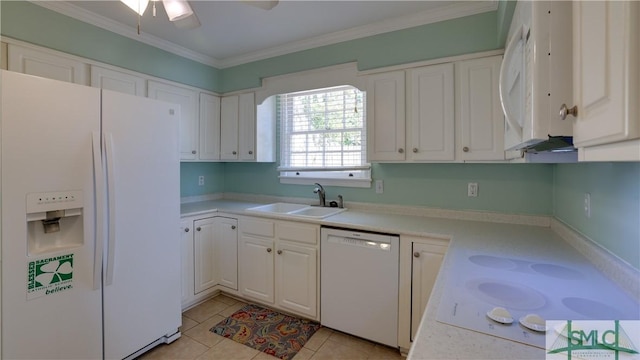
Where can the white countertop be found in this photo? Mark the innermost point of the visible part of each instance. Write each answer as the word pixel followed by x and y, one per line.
pixel 437 340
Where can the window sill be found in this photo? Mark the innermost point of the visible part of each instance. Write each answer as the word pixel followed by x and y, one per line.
pixel 356 183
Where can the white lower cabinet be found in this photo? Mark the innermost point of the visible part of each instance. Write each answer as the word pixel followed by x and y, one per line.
pixel 209 253
pixel 279 264
pixel 420 261
pixel 215 253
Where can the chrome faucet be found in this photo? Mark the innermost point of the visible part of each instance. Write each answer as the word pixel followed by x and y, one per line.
pixel 321 194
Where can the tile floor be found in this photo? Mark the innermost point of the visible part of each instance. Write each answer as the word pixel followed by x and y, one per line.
pixel 197 342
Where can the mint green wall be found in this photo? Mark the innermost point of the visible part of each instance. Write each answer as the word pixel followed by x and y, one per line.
pixel 213 178
pixel 447 38
pixel 508 188
pixel 504 14
pixel 31 23
pixel 615 204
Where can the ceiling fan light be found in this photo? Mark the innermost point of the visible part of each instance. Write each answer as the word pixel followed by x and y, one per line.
pixel 177 9
pixel 139 6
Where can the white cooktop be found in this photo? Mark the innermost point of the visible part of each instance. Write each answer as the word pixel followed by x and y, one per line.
pixel 572 290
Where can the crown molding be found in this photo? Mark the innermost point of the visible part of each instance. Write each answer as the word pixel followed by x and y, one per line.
pixel 456 10
pixel 92 18
pixel 453 11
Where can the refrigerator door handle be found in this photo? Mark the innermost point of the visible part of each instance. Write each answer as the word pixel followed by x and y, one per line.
pixel 111 239
pixel 98 175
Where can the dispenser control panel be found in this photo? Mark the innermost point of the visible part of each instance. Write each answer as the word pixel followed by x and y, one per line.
pixel 54 200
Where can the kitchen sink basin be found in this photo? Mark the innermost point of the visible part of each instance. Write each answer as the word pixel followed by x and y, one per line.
pixel 296 210
pixel 279 208
pixel 317 212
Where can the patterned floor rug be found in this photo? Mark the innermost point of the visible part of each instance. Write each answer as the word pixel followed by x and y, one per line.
pixel 266 330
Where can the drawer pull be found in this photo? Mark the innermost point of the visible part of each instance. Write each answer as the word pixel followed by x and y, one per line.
pixel 416 254
pixel 233 227
pixel 268 250
pixel 279 252
pixel 186 229
pixel 198 228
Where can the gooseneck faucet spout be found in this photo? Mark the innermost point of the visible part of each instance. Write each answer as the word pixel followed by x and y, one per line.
pixel 321 194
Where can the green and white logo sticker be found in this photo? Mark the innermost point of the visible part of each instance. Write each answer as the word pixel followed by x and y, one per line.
pixel 49 276
pixel 592 339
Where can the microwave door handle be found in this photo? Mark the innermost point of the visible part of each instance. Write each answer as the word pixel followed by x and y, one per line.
pixel 502 88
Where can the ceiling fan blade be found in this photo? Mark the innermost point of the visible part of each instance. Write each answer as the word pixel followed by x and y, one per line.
pixel 190 22
pixel 262 4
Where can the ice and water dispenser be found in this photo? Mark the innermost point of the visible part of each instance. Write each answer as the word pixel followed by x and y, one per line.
pixel 54 221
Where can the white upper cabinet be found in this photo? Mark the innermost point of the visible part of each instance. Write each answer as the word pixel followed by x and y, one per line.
pixel 104 78
pixel 229 115
pixel 431 113
pixel 209 133
pixel 46 64
pixel 606 46
pixel 188 101
pixel 247 126
pixel 386 117
pixel 479 118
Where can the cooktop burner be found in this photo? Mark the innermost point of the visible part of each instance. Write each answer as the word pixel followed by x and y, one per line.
pixel 480 282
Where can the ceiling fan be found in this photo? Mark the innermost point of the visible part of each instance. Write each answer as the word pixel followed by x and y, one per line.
pixel 180 12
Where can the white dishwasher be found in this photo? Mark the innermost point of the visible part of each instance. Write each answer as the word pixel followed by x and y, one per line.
pixel 359 284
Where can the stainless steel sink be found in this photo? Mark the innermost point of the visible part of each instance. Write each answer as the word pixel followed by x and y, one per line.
pixel 296 210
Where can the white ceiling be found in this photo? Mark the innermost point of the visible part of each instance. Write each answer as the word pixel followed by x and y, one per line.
pixel 233 32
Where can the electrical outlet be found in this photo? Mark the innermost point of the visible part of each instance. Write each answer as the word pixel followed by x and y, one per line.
pixel 587 205
pixel 379 187
pixel 201 180
pixel 472 189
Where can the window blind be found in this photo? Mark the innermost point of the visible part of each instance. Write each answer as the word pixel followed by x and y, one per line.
pixel 323 130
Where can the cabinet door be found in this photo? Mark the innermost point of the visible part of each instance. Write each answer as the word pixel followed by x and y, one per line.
pixel 386 117
pixel 432 117
pixel 256 271
pixel 426 263
pixel 296 278
pixel 247 127
pixel 229 115
pixel 480 122
pixel 204 254
pixel 186 256
pixel 209 127
pixel 226 252
pixel 44 64
pixel 605 74
pixel 188 101
pixel 117 81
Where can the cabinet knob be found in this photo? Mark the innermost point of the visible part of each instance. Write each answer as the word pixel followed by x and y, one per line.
pixel 198 228
pixel 415 150
pixel 268 250
pixel 233 227
pixel 193 152
pixel 234 152
pixel 564 111
pixel 416 254
pixel 279 252
pixel 250 152
pixel 186 229
pixel 401 150
pixel 465 149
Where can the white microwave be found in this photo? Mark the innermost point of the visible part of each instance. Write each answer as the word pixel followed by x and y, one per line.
pixel 536 76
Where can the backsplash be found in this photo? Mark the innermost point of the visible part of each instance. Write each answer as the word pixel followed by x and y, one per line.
pixel 615 204
pixel 505 188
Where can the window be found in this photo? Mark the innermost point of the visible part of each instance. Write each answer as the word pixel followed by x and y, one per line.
pixel 323 137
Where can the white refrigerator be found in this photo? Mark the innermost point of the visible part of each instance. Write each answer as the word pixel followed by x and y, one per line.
pixel 89 221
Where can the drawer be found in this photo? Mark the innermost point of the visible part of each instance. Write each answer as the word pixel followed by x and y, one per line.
pixel 298 232
pixel 258 227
